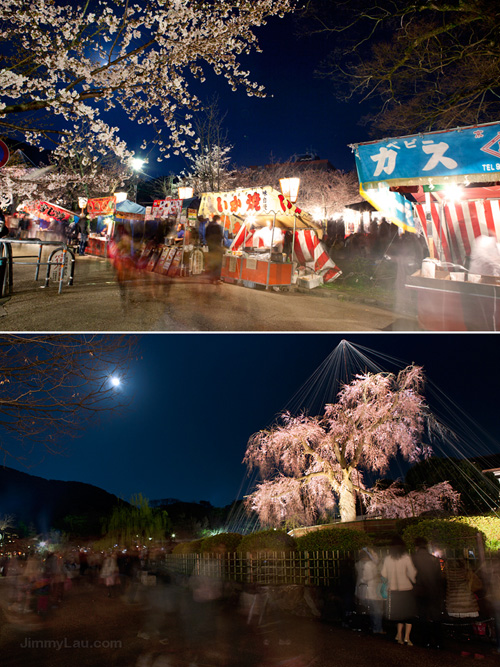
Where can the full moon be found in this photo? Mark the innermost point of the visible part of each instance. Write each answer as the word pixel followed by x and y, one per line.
pixel 115 381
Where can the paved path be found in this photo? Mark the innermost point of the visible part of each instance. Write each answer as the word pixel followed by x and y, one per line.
pixel 148 302
pixel 91 629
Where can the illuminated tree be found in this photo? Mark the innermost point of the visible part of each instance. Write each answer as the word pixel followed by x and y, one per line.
pixel 322 193
pixel 479 492
pixel 6 521
pixel 64 66
pixel 209 164
pixel 395 502
pixel 309 462
pixel 53 386
pixel 135 524
pixel 426 65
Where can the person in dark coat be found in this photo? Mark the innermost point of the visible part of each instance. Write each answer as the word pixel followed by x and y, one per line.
pixel 429 591
pixel 214 235
pixel 84 235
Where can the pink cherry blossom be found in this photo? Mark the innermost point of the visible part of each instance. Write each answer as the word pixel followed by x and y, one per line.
pixel 309 464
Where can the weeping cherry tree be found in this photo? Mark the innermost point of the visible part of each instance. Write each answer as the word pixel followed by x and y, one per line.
pixel 309 464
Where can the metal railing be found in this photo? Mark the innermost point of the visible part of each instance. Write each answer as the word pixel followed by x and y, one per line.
pixel 61 262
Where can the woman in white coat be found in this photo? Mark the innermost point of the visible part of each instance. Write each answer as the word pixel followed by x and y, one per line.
pixel 400 572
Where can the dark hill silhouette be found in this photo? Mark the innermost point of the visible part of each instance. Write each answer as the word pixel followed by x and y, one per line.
pixel 46 503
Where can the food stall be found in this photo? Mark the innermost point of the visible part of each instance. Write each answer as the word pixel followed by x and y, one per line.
pixel 444 185
pixel 49 220
pixel 263 223
pixel 105 213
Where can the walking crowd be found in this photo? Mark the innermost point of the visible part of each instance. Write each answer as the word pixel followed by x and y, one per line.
pixel 423 591
pixel 40 582
pixel 409 598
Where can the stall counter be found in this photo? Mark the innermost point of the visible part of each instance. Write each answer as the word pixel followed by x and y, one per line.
pixel 255 271
pixel 96 245
pixel 445 305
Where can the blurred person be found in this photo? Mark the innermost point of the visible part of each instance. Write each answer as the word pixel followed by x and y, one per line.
pixel 83 235
pixel 288 244
pixel 490 575
pixel 429 593
pixel 201 226
pixel 485 256
pixel 33 568
pixel 271 237
pixel 162 608
pixel 123 256
pixel 24 226
pixel 401 574
pixel 109 573
pixel 180 233
pixel 19 590
pixel 347 586
pixel 41 589
pixel 57 573
pixel 4 229
pixel 214 235
pixel 368 582
pixel 132 572
pixel 461 585
pixel 83 561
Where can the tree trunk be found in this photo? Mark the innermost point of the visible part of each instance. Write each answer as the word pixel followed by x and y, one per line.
pixel 347 500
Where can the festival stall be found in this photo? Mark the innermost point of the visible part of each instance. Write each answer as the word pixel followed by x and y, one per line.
pixel 105 214
pixel 446 186
pixel 176 254
pixel 49 219
pixel 256 218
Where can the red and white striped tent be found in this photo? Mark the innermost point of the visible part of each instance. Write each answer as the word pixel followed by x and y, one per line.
pixel 258 205
pixel 309 251
pixel 451 226
pixel 445 182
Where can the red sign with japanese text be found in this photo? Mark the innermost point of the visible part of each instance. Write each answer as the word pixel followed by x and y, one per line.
pixel 47 211
pixel 255 201
pixel 162 208
pixel 101 206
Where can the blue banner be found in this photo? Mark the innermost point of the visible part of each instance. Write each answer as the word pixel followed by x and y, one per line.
pixel 431 157
pixel 393 206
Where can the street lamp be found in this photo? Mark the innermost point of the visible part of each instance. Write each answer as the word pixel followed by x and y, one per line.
pixel 185 193
pixel 137 165
pixel 290 188
pixel 120 196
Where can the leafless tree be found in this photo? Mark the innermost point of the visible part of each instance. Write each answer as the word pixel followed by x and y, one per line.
pixel 6 521
pixel 52 386
pixel 209 161
pixel 424 65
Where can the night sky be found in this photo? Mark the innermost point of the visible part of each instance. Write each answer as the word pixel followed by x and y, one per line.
pixel 197 398
pixel 300 114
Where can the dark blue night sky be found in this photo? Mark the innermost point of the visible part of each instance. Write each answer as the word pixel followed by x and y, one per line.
pixel 301 112
pixel 197 398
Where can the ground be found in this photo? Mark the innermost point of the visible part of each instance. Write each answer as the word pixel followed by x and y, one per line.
pixel 164 627
pixel 97 301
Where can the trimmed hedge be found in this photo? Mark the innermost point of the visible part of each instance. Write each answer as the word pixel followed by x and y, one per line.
pixel 334 539
pixel 187 547
pixel 267 540
pixel 488 525
pixel 221 543
pixel 453 533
